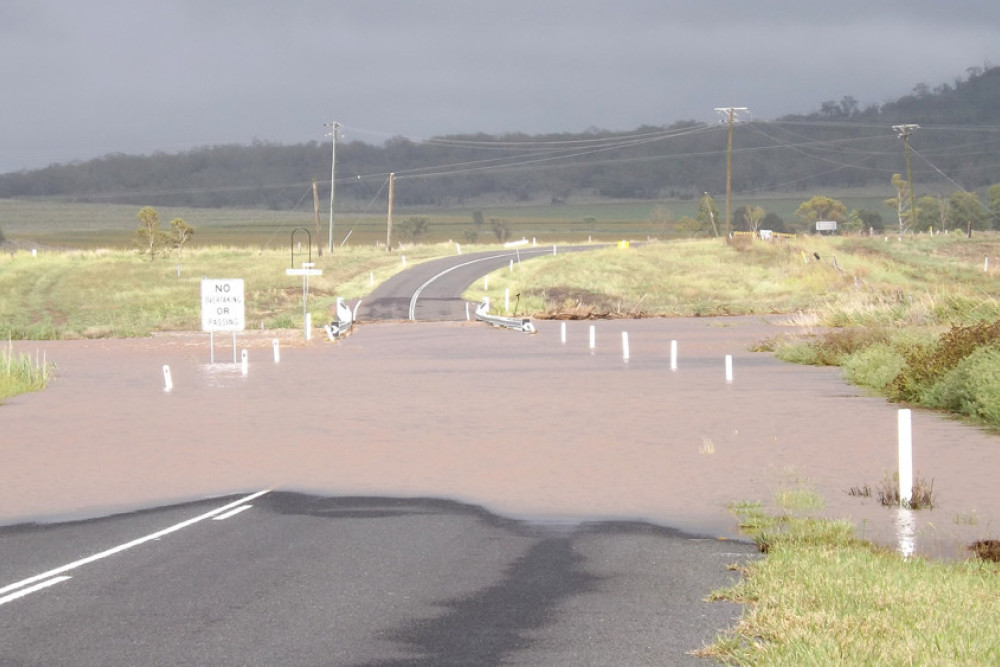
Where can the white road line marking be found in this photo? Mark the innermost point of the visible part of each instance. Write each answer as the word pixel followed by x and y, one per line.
pixel 128 545
pixel 223 517
pixel 31 589
pixel 416 295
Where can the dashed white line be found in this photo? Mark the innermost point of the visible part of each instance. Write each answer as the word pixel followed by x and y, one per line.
pixel 118 549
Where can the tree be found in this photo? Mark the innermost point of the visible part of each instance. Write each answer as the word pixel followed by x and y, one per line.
pixel 967 211
pixel 752 216
pixel 901 202
pixel 149 237
pixel 708 214
pixel 415 226
pixel 993 204
pixel 180 232
pixel 871 220
pixel 931 212
pixel 500 229
pixel 821 208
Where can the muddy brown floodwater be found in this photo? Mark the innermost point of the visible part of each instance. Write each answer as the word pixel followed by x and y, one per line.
pixel 523 425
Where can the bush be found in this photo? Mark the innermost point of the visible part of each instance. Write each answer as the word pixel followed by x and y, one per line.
pixel 874 367
pixel 971 388
pixel 926 364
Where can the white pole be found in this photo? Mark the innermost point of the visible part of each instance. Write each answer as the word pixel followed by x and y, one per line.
pixel 466 311
pixel 905 457
pixel 309 326
pixel 625 354
pixel 168 382
pixel 458 248
pixel 371 277
pixel 729 369
pixel 512 266
pixel 403 257
pixel 562 333
pixel 277 352
pixel 593 337
pixel 673 355
pixel 245 364
pixel 553 248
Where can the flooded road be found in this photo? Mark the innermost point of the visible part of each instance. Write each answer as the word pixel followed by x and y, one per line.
pixel 523 425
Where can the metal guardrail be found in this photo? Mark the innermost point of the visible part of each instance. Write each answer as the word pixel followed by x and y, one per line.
pixel 345 320
pixel 522 324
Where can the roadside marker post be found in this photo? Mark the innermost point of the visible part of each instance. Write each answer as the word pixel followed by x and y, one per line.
pixel 673 355
pixel 729 369
pixel 168 382
pixel 625 350
pixel 905 427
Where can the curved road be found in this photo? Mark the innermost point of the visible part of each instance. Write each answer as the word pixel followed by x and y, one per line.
pixel 433 290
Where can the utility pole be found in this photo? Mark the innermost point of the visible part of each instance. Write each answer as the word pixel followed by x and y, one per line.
pixel 333 176
pixel 388 222
pixel 903 132
pixel 319 244
pixel 729 114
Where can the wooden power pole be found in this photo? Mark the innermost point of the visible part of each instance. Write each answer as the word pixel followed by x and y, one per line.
pixel 729 114
pixel 388 222
pixel 319 244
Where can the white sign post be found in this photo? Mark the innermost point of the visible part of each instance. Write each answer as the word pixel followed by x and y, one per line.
pixel 306 271
pixel 222 309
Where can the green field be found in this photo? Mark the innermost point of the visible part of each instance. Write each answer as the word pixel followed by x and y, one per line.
pixel 62 224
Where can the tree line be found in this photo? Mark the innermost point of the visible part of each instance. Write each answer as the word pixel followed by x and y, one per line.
pixel 841 145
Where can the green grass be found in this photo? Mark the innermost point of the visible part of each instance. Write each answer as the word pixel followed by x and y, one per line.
pixel 821 596
pixel 20 373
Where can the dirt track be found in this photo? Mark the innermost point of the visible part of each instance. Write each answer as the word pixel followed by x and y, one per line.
pixel 523 425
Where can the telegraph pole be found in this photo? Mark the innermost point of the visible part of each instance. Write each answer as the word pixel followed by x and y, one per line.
pixel 333 175
pixel 729 114
pixel 388 221
pixel 319 244
pixel 903 132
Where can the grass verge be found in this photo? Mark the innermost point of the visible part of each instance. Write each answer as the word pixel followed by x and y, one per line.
pixel 20 373
pixel 821 596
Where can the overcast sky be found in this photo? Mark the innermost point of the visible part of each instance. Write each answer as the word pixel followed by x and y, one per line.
pixel 84 78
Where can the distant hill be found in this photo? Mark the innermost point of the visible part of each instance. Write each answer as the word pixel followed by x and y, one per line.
pixel 841 145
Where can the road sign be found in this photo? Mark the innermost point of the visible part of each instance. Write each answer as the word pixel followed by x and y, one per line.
pixel 222 305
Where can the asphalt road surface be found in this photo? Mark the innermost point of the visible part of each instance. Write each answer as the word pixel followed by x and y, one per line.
pixel 289 579
pixel 433 290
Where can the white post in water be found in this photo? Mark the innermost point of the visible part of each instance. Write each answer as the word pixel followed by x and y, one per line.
pixel 625 354
pixel 168 382
pixel 277 352
pixel 673 355
pixel 593 337
pixel 729 369
pixel 562 333
pixel 245 365
pixel 905 457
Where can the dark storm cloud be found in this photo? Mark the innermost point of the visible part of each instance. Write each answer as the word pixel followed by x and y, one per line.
pixel 83 79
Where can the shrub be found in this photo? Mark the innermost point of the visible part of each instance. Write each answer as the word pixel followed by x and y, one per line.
pixel 875 366
pixel 971 388
pixel 926 364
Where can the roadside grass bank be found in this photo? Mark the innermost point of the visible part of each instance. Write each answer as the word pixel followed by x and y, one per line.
pixel 20 373
pixel 118 293
pixel 822 596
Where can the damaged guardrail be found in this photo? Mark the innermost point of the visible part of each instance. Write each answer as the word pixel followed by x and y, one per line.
pixel 522 324
pixel 345 320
